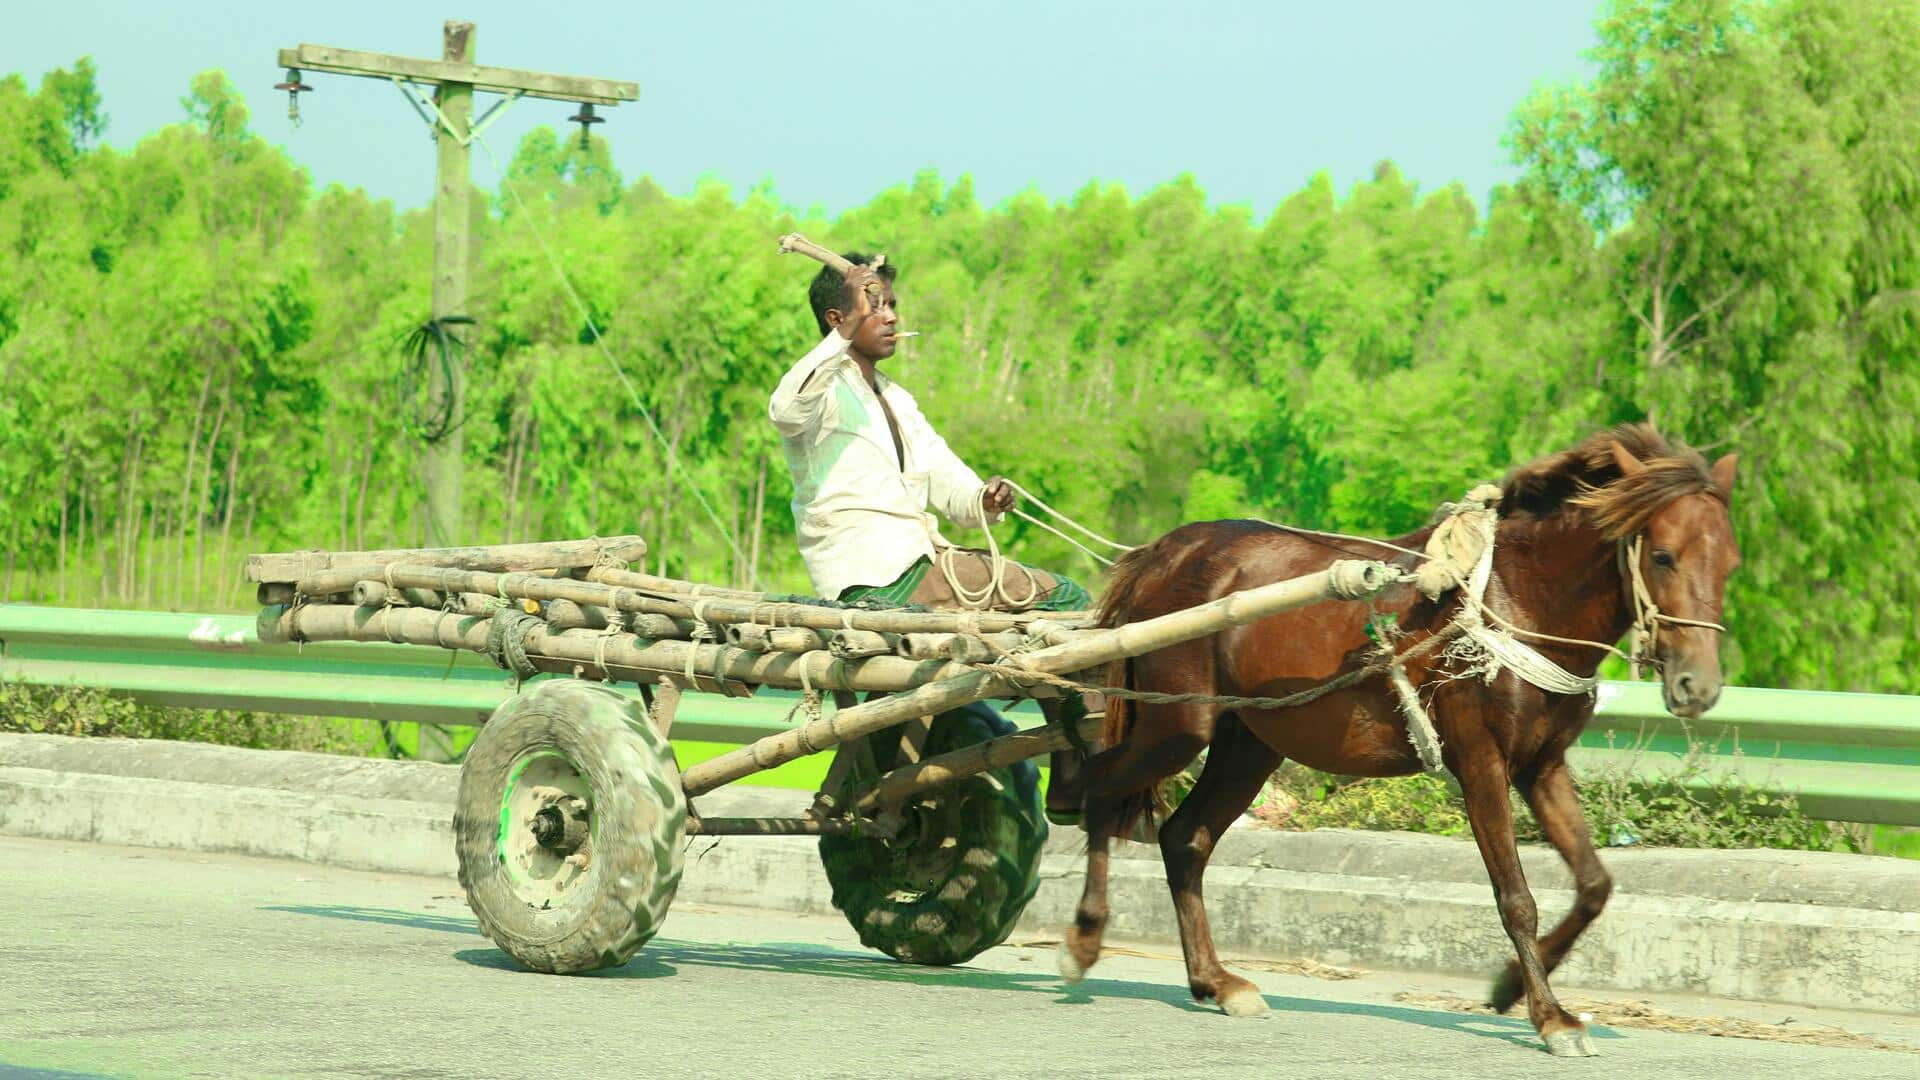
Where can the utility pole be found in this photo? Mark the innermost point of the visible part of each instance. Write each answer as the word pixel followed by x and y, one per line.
pixel 450 114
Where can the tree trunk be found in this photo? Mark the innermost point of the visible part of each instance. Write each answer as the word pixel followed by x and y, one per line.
pixel 186 485
pixel 129 524
pixel 366 481
pixel 80 544
pixel 200 508
pixel 759 523
pixel 60 584
pixel 6 588
pixel 233 492
pixel 146 573
pixel 346 487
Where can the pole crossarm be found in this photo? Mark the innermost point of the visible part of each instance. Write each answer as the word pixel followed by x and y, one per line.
pixel 496 80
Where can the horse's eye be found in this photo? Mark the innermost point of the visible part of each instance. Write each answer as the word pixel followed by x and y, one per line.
pixel 1663 559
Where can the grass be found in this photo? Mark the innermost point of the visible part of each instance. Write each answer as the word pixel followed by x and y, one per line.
pixel 1700 808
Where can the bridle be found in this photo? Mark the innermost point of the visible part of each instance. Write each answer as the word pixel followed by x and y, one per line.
pixel 1647 615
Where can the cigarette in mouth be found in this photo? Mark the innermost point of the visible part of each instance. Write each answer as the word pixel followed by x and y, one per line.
pixel 907 333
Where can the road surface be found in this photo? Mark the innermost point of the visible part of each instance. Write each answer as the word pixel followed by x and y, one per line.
pixel 137 962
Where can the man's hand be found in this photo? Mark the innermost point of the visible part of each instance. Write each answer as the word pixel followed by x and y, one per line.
pixel 998 496
pixel 858 279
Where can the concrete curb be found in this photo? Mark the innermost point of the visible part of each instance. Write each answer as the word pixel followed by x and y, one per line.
pixel 1796 927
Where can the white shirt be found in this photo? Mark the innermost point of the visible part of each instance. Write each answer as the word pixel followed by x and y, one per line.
pixel 859 511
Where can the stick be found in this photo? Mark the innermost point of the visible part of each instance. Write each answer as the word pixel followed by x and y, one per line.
pixel 908 780
pixel 559 554
pixel 794 242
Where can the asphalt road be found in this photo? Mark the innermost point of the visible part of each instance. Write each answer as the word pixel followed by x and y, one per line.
pixel 136 962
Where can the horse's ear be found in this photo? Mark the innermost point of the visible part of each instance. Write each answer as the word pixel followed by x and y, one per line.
pixel 1629 465
pixel 1723 472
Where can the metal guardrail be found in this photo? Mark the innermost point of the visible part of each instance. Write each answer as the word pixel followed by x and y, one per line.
pixel 1849 757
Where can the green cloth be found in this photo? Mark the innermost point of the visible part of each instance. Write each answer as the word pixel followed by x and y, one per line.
pixel 896 594
pixel 1065 596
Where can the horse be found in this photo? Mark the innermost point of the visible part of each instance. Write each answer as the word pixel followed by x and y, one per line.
pixel 1578 535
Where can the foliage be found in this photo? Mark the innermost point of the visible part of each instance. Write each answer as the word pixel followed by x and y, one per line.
pixel 1703 806
pixel 1720 230
pixel 79 712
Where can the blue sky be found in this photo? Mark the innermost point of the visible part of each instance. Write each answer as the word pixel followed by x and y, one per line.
pixel 832 103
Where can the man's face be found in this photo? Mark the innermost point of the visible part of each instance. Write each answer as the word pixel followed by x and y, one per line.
pixel 875 338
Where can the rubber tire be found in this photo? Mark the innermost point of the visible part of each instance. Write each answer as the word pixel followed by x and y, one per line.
pixel 639 826
pixel 1000 830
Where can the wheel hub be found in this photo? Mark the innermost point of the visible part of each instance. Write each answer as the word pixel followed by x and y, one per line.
pixel 546 829
pixel 561 825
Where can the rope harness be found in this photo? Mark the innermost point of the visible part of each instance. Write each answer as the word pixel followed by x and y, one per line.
pixel 1477 641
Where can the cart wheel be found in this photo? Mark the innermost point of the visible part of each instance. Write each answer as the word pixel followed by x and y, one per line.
pixel 954 881
pixel 569 827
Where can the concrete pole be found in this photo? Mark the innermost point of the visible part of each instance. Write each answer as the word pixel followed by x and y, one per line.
pixel 451 254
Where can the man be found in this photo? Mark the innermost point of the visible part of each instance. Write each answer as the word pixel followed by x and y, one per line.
pixel 867 465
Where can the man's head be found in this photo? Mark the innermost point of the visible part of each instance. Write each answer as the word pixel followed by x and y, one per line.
pixel 834 302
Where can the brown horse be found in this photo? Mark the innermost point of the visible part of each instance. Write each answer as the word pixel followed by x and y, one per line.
pixel 1566 525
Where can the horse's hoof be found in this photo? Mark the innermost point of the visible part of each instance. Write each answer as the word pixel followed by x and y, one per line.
pixel 1070 968
pixel 1572 1042
pixel 1243 1001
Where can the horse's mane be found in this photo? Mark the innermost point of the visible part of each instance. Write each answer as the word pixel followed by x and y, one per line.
pixel 1586 477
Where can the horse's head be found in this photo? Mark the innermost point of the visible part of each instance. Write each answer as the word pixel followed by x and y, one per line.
pixel 1675 567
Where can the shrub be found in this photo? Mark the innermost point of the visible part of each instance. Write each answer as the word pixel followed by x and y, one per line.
pixel 77 711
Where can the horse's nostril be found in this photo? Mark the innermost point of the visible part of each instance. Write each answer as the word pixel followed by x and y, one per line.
pixel 1683 686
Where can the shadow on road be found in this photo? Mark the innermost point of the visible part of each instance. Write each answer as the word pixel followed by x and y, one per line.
pixel 664 956
pixel 419 920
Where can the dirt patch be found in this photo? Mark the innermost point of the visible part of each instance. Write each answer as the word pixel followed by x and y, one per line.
pixel 1640 1014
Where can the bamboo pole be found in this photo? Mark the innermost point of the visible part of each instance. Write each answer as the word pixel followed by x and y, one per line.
pixel 749 826
pixel 626 656
pixel 558 554
pixel 1347 579
pixel 898 786
pixel 718 610
pixel 633 579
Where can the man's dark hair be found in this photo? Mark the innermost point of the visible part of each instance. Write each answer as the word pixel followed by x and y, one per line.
pixel 829 288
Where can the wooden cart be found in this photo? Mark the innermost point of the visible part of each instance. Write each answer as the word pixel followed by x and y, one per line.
pixel 573 811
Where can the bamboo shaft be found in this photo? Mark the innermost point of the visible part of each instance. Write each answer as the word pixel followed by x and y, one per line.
pixel 748 826
pixel 907 781
pixel 1348 579
pixel 329 582
pixel 632 579
pixel 562 554
pixel 624 655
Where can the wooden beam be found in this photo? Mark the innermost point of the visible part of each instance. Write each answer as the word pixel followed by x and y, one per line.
pixel 498 80
pixel 510 558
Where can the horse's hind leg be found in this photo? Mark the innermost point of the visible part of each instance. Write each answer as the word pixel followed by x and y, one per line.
pixel 1238 765
pixel 1113 777
pixel 1483 780
pixel 1557 808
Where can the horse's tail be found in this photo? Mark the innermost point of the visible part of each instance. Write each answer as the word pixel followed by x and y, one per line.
pixel 1118 725
pixel 1116 608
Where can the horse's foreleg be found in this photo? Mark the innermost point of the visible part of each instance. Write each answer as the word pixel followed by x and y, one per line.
pixel 1557 808
pixel 1113 777
pixel 1483 780
pixel 1238 764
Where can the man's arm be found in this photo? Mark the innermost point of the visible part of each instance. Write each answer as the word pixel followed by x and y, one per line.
pixel 801 398
pixel 805 391
pixel 956 490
